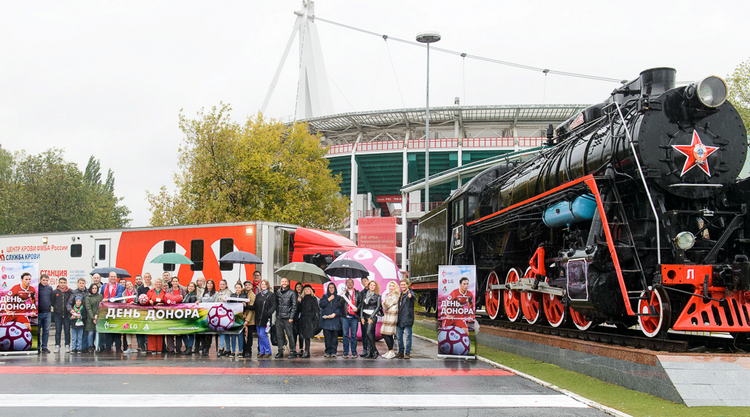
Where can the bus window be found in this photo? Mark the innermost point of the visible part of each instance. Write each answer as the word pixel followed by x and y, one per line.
pixel 196 255
pixel 169 247
pixel 76 251
pixel 225 246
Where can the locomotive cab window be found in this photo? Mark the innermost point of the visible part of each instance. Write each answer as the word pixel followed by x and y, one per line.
pixel 225 246
pixel 458 211
pixel 169 247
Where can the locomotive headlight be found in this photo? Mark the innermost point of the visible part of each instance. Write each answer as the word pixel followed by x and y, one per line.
pixel 684 240
pixel 710 91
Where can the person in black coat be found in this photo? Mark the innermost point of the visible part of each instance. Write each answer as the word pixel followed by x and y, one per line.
pixel 264 307
pixel 371 307
pixel 405 319
pixel 296 324
pixel 330 319
pixel 309 315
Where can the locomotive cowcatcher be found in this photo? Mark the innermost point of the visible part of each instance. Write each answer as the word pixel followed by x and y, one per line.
pixel 634 213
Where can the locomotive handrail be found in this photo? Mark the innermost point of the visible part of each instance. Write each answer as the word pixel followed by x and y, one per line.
pixel 645 185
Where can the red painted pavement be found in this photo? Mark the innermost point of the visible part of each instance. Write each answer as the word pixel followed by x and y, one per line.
pixel 164 370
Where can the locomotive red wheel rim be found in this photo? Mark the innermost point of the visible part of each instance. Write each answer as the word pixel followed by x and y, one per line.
pixel 492 298
pixel 531 303
pixel 579 320
pixel 554 309
pixel 512 298
pixel 651 326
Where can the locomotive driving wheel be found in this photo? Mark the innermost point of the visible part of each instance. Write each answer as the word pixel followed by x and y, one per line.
pixel 554 309
pixel 492 297
pixel 531 303
pixel 579 320
pixel 512 298
pixel 655 320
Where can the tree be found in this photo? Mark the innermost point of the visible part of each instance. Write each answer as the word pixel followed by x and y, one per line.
pixel 261 170
pixel 739 91
pixel 44 193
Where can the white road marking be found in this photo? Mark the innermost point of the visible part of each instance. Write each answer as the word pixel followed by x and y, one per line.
pixel 284 400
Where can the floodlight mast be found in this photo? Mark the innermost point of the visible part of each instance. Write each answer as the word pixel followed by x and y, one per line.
pixel 428 38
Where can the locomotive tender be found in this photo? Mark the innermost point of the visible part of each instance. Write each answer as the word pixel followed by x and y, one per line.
pixel 633 214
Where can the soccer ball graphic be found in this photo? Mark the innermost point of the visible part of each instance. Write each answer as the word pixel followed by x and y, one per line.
pixel 143 299
pixel 14 337
pixel 219 318
pixel 453 340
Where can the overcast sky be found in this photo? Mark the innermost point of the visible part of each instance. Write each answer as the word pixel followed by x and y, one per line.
pixel 109 78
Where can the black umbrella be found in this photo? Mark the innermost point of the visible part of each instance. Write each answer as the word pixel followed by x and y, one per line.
pixel 104 271
pixel 347 268
pixel 240 257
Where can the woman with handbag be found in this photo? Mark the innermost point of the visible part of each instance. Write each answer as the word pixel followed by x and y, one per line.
pixel 264 306
pixel 368 316
pixel 390 309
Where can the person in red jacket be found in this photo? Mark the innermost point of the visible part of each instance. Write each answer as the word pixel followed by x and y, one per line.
pixel 156 294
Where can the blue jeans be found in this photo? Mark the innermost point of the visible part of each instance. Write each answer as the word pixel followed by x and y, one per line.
pixel 90 335
pixel 187 339
pixel 349 328
pixel 45 319
pixel 77 333
pixel 400 331
pixel 264 345
pixel 230 341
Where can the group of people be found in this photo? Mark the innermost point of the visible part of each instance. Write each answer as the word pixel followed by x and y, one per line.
pixel 299 315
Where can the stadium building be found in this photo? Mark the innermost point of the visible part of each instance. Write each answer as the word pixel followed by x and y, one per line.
pixel 381 155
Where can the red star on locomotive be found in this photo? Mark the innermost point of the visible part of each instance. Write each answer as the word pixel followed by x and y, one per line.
pixel 697 154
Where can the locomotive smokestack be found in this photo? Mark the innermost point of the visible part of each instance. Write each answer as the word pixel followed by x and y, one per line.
pixel 656 81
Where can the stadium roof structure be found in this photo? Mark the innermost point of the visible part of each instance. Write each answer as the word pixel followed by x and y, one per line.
pixel 345 127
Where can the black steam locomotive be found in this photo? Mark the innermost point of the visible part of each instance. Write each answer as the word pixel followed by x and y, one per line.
pixel 633 214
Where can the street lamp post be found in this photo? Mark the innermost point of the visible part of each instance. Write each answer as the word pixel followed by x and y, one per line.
pixel 428 38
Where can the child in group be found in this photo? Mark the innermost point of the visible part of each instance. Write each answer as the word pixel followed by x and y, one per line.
pixel 77 319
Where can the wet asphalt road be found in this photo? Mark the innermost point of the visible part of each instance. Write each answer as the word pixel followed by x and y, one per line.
pixel 168 385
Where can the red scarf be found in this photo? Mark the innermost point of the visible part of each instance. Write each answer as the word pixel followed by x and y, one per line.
pixel 112 290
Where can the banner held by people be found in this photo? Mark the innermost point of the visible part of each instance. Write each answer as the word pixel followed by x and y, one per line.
pixel 456 311
pixel 170 319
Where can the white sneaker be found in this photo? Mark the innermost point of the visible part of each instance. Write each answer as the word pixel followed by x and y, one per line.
pixel 389 355
pixel 57 348
pixel 67 348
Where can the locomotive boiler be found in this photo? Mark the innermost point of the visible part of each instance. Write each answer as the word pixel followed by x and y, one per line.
pixel 633 214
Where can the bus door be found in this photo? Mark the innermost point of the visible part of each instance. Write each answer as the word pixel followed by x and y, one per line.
pixel 101 253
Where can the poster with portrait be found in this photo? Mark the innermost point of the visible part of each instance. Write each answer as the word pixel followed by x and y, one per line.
pixel 456 311
pixel 19 282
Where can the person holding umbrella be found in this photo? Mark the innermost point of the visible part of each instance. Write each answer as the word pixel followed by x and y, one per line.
pixel 249 316
pixel 330 319
pixel 286 308
pixel 349 320
pixel 111 291
pixel 297 322
pixel 308 319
